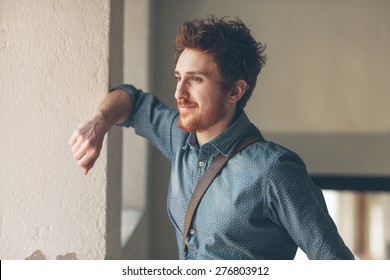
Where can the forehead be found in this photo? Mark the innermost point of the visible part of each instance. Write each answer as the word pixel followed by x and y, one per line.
pixel 196 61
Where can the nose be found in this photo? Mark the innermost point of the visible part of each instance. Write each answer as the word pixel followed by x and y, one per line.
pixel 181 90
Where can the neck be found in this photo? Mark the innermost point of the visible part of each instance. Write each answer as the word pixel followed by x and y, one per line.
pixel 206 135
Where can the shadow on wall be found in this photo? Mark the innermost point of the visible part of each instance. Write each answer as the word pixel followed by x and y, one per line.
pixel 38 255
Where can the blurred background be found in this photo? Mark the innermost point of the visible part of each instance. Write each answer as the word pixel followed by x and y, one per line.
pixel 323 93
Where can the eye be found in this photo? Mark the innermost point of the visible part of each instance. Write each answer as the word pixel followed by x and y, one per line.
pixel 177 78
pixel 196 79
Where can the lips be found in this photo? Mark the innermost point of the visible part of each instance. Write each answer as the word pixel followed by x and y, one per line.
pixel 186 105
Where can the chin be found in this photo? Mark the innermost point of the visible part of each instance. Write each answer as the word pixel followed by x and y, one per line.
pixel 188 126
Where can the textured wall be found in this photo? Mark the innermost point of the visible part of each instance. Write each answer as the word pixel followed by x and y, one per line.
pixel 54 72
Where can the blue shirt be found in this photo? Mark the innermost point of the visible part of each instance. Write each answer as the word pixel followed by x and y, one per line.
pixel 262 205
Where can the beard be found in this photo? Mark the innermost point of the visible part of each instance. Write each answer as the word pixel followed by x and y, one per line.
pixel 197 119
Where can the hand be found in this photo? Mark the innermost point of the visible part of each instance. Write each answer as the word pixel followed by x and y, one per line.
pixel 87 140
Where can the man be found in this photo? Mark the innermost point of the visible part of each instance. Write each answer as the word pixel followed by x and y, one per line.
pixel 262 204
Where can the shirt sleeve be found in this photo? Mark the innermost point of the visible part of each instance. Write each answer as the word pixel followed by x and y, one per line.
pixel 153 120
pixel 296 204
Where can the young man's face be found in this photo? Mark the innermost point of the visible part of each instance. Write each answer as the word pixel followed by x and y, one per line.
pixel 202 104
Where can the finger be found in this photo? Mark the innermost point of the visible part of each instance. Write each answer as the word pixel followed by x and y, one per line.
pixel 80 149
pixel 88 159
pixel 79 154
pixel 73 138
pixel 76 147
pixel 76 142
pixel 88 167
pixel 84 160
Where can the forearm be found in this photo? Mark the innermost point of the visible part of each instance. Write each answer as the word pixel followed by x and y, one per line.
pixel 115 107
pixel 86 141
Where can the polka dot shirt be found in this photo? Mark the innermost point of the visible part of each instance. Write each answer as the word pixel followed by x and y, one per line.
pixel 263 204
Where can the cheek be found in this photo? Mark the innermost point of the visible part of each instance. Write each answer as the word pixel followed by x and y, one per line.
pixel 210 98
pixel 217 102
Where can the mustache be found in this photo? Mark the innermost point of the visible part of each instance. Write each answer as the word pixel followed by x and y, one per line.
pixel 186 102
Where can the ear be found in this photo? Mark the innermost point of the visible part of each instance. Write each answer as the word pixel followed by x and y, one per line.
pixel 238 91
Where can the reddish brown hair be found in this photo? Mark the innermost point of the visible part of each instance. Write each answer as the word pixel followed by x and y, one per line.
pixel 229 42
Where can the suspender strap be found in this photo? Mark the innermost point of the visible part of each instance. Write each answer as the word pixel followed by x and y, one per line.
pixel 215 167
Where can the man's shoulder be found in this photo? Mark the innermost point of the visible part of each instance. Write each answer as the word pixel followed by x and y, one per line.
pixel 269 153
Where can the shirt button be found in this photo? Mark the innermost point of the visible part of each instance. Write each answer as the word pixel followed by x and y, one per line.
pixel 201 163
pixel 192 231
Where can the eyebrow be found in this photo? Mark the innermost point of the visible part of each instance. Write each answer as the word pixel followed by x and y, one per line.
pixel 192 73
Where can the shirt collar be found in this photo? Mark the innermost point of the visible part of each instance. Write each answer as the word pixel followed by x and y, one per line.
pixel 225 142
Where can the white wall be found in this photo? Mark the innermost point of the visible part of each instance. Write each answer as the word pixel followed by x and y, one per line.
pixel 54 71
pixel 136 53
pixel 136 71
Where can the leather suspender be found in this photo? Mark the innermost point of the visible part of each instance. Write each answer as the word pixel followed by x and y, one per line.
pixel 218 163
